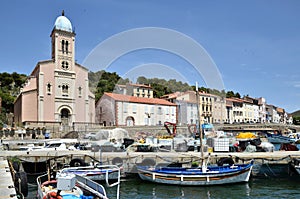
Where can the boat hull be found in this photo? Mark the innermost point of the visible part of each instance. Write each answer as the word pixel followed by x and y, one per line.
pixel 196 177
pixel 94 173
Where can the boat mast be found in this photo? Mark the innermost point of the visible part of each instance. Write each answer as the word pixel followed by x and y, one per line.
pixel 199 124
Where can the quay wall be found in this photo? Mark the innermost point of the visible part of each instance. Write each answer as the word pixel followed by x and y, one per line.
pixel 129 160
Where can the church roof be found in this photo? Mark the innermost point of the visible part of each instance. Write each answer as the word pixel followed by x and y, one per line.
pixel 63 23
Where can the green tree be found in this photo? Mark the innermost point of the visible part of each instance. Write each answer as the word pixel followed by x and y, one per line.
pixel 142 80
pixel 106 83
pixel 230 94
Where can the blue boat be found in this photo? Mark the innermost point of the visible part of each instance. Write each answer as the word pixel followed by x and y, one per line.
pixel 211 175
pixel 279 138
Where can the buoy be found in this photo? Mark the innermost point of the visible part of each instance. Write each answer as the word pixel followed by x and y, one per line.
pixel 52 195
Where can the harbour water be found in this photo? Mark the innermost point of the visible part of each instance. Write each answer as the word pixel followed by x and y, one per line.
pixel 268 188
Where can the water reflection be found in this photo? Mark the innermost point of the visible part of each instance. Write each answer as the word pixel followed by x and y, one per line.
pixel 159 191
pixel 256 188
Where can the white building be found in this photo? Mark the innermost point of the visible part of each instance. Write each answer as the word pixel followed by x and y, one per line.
pixel 124 110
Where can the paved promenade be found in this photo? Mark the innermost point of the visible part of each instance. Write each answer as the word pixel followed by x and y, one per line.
pixel 7 189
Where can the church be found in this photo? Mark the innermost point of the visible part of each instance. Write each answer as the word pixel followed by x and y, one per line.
pixel 57 90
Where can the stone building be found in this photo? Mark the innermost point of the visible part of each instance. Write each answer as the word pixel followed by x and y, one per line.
pixel 57 90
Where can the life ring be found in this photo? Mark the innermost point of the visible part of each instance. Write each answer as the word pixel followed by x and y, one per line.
pixel 48 182
pixel 52 195
pixel 223 161
pixel 77 162
pixel 117 161
pixel 21 182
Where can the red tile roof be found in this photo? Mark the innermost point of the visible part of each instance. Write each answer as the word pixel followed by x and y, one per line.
pixel 141 85
pixel 142 100
pixel 235 100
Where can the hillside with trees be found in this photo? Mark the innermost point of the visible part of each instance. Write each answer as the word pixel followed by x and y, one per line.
pixel 296 117
pixel 103 81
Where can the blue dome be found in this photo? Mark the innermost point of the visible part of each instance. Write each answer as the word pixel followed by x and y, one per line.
pixel 63 23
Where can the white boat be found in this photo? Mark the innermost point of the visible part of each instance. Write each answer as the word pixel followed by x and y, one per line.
pixel 30 147
pixel 58 145
pixel 95 173
pixel 72 186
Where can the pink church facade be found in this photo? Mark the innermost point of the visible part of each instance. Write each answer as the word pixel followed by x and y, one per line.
pixel 57 90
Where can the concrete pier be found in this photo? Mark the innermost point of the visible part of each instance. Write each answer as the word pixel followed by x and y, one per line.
pixel 7 189
pixel 129 159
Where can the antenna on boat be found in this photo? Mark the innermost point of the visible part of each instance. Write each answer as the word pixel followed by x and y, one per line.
pixel 199 129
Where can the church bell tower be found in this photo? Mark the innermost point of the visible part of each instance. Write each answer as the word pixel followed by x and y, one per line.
pixel 63 44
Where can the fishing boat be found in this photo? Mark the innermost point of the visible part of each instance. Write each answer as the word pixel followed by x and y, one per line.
pixel 198 176
pixel 95 173
pixel 277 138
pixel 211 175
pixel 72 186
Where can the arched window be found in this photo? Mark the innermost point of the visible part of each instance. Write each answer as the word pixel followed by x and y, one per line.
pixel 49 88
pixel 65 113
pixel 67 47
pixel 65 90
pixel 63 46
pixel 80 91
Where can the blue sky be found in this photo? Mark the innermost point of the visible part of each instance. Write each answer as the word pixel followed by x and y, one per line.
pixel 254 44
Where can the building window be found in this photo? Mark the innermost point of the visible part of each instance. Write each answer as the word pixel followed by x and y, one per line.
pixel 65 90
pixel 159 111
pixel 49 89
pixel 79 91
pixel 152 109
pixel 125 107
pixel 67 47
pixel 65 65
pixel 63 46
pixel 134 109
